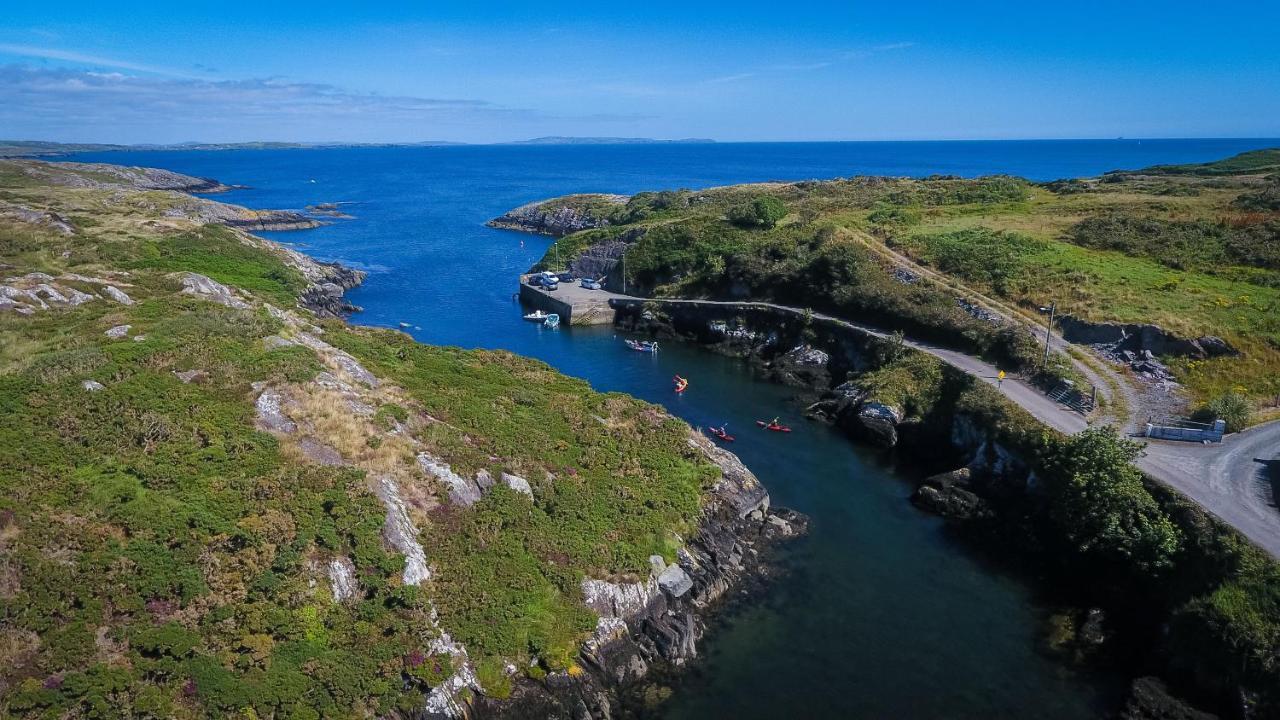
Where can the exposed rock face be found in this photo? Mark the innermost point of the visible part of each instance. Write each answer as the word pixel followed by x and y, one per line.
pixel 462 491
pixel 554 217
pixel 92 385
pixel 874 422
pixel 209 289
pixel 325 296
pixel 517 483
pixel 118 331
pixel 342 579
pixel 116 294
pixel 1137 338
pixel 400 532
pixel 948 495
pixel 342 360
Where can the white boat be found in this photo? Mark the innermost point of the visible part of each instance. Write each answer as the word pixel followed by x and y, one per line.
pixel 643 345
pixel 538 316
pixel 553 320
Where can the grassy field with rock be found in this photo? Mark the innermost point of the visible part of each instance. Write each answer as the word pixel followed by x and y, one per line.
pixel 197 479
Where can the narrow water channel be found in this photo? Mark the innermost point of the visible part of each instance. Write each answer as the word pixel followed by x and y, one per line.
pixel 882 615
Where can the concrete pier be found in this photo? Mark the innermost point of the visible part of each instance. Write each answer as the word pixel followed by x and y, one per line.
pixel 574 304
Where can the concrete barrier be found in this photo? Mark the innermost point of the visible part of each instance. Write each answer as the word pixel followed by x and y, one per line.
pixel 1200 433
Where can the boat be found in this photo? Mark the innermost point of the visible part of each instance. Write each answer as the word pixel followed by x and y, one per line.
pixel 405 325
pixel 720 433
pixel 553 320
pixel 682 384
pixel 537 316
pixel 774 426
pixel 643 345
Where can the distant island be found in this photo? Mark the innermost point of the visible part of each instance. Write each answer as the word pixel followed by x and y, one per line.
pixel 41 148
pixel 562 140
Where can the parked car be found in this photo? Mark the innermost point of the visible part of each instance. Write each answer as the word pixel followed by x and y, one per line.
pixel 566 277
pixel 590 284
pixel 550 285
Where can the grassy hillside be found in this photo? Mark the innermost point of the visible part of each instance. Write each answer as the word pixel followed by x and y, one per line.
pixel 1194 249
pixel 163 555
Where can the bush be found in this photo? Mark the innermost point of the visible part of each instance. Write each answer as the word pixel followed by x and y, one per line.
pixel 993 257
pixel 1232 407
pixel 763 212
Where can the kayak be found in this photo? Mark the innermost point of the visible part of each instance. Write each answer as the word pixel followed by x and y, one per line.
pixel 720 433
pixel 772 426
pixel 681 384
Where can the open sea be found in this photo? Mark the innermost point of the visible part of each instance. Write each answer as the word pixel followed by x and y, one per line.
pixel 884 614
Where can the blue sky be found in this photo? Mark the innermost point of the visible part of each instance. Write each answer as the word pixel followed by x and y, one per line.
pixel 479 72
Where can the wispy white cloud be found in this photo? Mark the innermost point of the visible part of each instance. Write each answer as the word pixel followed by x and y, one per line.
pixel 730 78
pixel 864 52
pixel 800 66
pixel 46 53
pixel 73 102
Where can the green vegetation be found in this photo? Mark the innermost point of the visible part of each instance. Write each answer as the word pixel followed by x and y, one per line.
pixel 763 212
pixel 991 257
pixel 1098 501
pixel 1251 162
pixel 1192 249
pixel 1233 408
pixel 161 557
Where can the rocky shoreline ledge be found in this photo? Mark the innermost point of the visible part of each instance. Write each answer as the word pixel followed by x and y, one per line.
pixel 658 623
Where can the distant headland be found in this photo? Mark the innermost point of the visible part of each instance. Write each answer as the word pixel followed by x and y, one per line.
pixel 39 148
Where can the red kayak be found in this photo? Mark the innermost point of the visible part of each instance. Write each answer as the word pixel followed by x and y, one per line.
pixel 773 426
pixel 720 433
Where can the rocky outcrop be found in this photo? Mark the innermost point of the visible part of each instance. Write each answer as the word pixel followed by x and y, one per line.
pixel 560 216
pixel 204 211
pixel 207 288
pixel 949 495
pixel 40 218
pixel 104 176
pixel 1117 337
pixel 326 297
pixel 37 291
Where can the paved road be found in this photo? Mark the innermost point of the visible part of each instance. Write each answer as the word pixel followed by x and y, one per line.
pixel 1229 479
pixel 1232 479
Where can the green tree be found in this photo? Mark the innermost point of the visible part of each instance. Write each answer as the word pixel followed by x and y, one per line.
pixel 1098 501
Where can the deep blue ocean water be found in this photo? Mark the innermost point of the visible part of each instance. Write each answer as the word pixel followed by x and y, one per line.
pixel 883 615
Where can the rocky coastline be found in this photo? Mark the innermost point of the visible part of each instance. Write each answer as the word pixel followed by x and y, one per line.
pixel 972 470
pixel 647 628
pixel 559 217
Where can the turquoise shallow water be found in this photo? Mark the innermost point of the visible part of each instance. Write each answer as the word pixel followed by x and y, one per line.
pixel 884 614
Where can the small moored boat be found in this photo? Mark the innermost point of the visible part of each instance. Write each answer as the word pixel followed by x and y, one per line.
pixel 537 316
pixel 553 320
pixel 643 345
